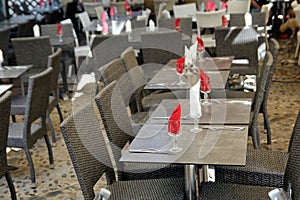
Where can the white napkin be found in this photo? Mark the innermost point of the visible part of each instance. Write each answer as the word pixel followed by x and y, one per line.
pixel 117 26
pixel 193 50
pixel 128 26
pixel 151 25
pixel 195 106
pixel 188 56
pixel 1 57
pixel 166 14
pixel 36 31
pixel 248 19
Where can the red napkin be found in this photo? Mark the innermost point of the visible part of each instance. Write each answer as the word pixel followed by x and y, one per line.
pixel 49 2
pixel 224 5
pixel 127 5
pixel 177 24
pixel 200 44
pixel 210 6
pixel 104 23
pixel 59 29
pixel 41 2
pixel 174 121
pixel 224 21
pixel 180 64
pixel 204 79
pixel 112 11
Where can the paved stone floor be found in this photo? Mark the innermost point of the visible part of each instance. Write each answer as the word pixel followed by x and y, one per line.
pixel 61 182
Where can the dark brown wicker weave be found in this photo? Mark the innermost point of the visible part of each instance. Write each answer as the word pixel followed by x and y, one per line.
pixel 5 101
pixel 25 135
pixel 261 172
pixel 118 130
pixel 242 42
pixel 88 151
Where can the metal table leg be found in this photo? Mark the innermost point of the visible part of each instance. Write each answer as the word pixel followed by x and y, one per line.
pixel 190 182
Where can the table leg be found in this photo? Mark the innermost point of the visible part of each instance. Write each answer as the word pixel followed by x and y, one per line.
pixel 190 182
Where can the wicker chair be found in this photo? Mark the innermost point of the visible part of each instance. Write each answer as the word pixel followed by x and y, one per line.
pixel 5 102
pixel 32 51
pixel 117 125
pixel 19 101
pixel 274 48
pixel 25 135
pixel 242 42
pixel 263 168
pixel 89 154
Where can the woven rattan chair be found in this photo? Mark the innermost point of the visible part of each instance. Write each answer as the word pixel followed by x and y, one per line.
pixel 263 168
pixel 4 43
pixel 88 151
pixel 242 42
pixel 19 101
pixel 25 135
pixel 117 126
pixel 5 102
pixel 274 48
pixel 32 51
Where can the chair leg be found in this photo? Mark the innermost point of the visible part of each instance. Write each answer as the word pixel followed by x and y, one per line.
pixel 267 126
pixel 51 161
pixel 11 186
pixel 51 128
pixel 31 167
pixel 64 77
pixel 61 118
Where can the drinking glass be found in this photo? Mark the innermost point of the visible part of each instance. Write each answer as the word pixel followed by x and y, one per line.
pixel 196 128
pixel 206 102
pixel 180 73
pixel 176 125
pixel 60 39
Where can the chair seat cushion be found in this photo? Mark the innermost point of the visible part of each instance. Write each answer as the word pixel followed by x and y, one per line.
pixel 210 191
pixel 163 189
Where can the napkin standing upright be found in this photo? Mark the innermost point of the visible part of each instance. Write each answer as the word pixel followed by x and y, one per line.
pixel 104 23
pixel 1 57
pixel 151 25
pixel 36 31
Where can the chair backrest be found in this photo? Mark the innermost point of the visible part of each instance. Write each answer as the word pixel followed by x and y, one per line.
pixel 115 71
pixel 99 10
pixel 242 42
pixel 184 10
pixel 266 8
pixel 87 148
pixel 54 61
pixel 238 19
pixel 37 99
pixel 259 95
pixel 162 6
pixel 5 104
pixel 32 50
pixel 98 39
pixel 297 13
pixel 161 42
pixel 90 8
pixel 169 6
pixel 241 6
pixel 120 6
pixel 209 19
pixel 292 171
pixel 84 19
pixel 4 43
pixel 115 119
pixel 26 29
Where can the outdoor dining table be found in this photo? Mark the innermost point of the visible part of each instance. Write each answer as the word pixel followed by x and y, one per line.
pixel 13 72
pixel 166 78
pixel 220 142
pixel 4 88
pixel 210 63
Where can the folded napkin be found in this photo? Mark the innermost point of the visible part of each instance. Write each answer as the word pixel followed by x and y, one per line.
pixel 248 19
pixel 112 12
pixel 36 31
pixel 104 23
pixel 195 106
pixel 59 29
pixel 205 84
pixel 210 6
pixel 224 21
pixel 224 5
pixel 200 44
pixel 128 28
pixel 180 64
pixel 41 2
pixel 188 53
pixel 151 25
pixel 1 57
pixel 127 7
pixel 177 24
pixel 174 121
